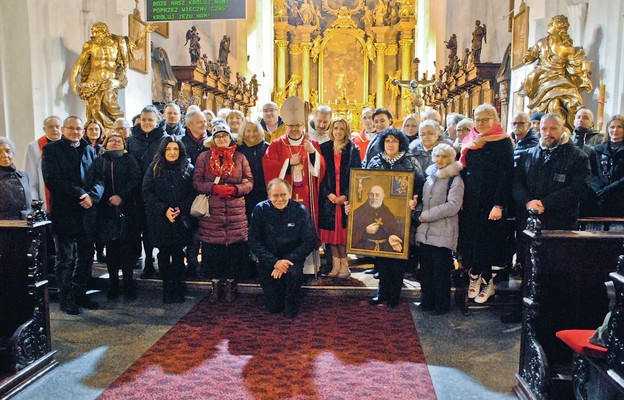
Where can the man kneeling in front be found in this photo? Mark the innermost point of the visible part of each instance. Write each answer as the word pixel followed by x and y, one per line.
pixel 281 235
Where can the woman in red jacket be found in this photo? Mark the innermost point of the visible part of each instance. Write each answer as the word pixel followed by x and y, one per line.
pixel 224 174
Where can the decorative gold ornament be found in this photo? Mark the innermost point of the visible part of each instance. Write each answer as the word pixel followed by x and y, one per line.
pixel 392 49
pixel 343 15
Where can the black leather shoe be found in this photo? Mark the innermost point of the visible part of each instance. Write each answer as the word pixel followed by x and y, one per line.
pixel 71 309
pixel 394 304
pixel 86 302
pixel 376 275
pixel 375 301
pixel 290 313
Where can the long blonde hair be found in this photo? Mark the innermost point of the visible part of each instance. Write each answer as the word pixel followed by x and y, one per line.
pixel 338 146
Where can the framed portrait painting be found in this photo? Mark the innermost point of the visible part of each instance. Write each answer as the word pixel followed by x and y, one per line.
pixel 379 222
pixel 140 59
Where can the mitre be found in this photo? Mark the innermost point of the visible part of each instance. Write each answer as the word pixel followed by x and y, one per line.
pixel 293 111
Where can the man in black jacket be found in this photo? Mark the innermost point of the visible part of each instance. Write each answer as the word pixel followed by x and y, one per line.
pixel 281 235
pixel 75 188
pixel 551 178
pixel 523 133
pixel 584 133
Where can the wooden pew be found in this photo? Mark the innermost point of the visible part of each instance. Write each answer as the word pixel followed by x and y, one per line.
pixel 563 289
pixel 25 342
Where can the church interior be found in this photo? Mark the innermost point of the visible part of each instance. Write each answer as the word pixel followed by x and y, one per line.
pixel 406 56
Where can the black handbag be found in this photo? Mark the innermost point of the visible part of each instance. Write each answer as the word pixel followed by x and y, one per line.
pixel 113 228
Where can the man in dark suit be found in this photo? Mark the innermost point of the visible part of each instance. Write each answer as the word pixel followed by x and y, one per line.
pixel 75 189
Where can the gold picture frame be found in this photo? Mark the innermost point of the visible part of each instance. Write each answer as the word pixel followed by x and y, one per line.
pixel 140 57
pixel 380 218
pixel 520 36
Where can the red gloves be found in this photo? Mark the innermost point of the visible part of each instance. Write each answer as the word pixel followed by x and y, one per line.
pixel 224 190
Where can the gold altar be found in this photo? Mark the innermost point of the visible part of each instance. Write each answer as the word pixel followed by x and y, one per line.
pixel 343 53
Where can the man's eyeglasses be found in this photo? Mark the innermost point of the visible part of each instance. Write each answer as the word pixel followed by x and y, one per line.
pixel 519 123
pixel 269 110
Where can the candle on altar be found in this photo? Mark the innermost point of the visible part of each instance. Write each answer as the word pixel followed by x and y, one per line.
pixel 601 102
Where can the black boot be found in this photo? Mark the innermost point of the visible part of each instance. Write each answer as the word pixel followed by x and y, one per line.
pixel 179 293
pixel 113 288
pixel 230 291
pixel 130 289
pixel 82 300
pixel 149 271
pixel 215 295
pixel 167 292
pixel 68 302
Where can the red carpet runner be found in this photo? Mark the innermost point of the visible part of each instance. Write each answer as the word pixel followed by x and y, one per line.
pixel 335 349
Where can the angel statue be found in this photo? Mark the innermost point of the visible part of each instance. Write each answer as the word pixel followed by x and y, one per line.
pixel 316 48
pixel 560 74
pixel 394 89
pixel 479 35
pixel 291 85
pixel 369 49
pixel 192 39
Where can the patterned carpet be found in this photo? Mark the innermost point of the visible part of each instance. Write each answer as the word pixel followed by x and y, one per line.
pixel 337 348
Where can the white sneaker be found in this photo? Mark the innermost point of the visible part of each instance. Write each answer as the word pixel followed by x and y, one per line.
pixel 486 292
pixel 475 285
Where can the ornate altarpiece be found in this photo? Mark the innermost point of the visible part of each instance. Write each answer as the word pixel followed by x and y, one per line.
pixel 344 53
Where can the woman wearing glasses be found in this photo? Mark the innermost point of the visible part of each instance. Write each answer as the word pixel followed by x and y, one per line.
pixel 487 157
pixel 122 182
pixel 224 174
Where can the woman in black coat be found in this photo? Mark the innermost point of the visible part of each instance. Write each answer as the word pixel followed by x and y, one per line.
pixel 487 157
pixel 253 147
pixel 168 194
pixel 143 144
pixel 340 155
pixel 607 166
pixel 122 182
pixel 393 155
pixel 15 197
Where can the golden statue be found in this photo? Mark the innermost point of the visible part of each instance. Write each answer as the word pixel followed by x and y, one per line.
pixel 394 89
pixel 369 49
pixel 291 85
pixel 560 74
pixel 316 48
pixel 102 66
pixel 314 99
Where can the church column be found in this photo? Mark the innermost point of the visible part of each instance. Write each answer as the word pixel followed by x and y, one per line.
pixel 381 72
pixel 302 35
pixel 305 66
pixel 281 43
pixel 406 57
pixel 281 62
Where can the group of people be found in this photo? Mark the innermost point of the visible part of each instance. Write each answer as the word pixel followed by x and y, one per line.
pixel 278 188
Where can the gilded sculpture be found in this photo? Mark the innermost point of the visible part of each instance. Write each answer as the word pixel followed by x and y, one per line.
pixel 560 74
pixel 102 67
pixel 369 49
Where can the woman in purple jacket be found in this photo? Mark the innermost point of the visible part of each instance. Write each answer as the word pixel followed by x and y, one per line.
pixel 224 174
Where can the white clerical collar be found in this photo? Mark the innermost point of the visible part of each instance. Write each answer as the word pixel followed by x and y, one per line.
pixel 294 142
